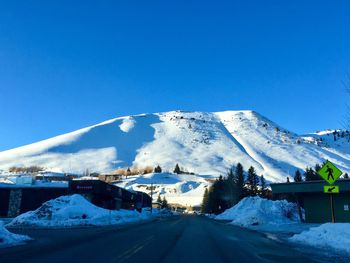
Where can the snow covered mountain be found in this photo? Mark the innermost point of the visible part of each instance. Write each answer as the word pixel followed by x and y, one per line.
pixel 203 143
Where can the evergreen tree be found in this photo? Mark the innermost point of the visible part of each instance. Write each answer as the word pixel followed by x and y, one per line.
pixel 230 188
pixel 252 181
pixel 217 200
pixel 205 202
pixel 263 185
pixel 210 203
pixel 177 169
pixel 159 200
pixel 310 175
pixel 297 176
pixel 157 169
pixel 239 182
pixel 164 203
pixel 317 167
pixel 346 176
pixel 221 196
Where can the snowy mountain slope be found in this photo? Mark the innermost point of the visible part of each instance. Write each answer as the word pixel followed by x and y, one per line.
pixel 276 149
pixel 203 143
pixel 182 189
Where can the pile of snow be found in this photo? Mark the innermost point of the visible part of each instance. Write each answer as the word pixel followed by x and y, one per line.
pixel 9 239
pixel 75 210
pixel 254 211
pixel 326 236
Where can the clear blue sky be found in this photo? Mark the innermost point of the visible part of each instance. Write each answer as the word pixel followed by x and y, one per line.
pixel 65 65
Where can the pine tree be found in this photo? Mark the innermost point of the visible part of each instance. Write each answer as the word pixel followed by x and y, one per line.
pixel 310 175
pixel 159 199
pixel 165 204
pixel 157 169
pixel 346 176
pixel 205 202
pixel 210 203
pixel 177 169
pixel 263 185
pixel 239 181
pixel 317 167
pixel 252 181
pixel 297 176
pixel 230 191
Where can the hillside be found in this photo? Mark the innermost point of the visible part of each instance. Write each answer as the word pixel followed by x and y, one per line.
pixel 203 143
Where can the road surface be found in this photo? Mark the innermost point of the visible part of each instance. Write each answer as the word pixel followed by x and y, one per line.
pixel 178 239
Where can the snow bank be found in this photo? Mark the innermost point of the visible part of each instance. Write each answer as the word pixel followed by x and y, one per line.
pixel 75 210
pixel 9 239
pixel 327 236
pixel 254 211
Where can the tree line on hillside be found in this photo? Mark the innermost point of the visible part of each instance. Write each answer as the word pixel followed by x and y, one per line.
pixel 226 192
pixel 310 174
pixel 163 203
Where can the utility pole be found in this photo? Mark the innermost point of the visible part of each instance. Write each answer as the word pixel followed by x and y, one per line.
pixel 332 208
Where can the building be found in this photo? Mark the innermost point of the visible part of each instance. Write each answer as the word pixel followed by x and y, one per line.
pixel 109 196
pixel 317 204
pixel 17 199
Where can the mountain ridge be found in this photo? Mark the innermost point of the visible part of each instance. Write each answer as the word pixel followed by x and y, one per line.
pixel 201 142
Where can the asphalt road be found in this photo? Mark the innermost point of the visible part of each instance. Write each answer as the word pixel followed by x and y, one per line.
pixel 178 239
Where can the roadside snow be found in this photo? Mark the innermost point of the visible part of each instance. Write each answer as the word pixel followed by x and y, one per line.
pixel 328 236
pixel 9 239
pixel 255 211
pixel 75 210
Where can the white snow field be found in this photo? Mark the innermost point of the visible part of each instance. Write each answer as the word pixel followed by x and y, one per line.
pixel 8 239
pixel 207 144
pixel 75 210
pixel 257 212
pixel 326 236
pixel 203 143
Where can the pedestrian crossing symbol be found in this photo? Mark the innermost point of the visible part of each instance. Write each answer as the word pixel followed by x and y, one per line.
pixel 330 172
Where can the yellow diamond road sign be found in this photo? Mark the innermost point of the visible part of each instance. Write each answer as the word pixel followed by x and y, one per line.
pixel 329 172
pixel 331 189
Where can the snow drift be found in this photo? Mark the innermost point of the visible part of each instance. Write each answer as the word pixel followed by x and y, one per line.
pixel 255 211
pixel 9 239
pixel 326 236
pixel 75 210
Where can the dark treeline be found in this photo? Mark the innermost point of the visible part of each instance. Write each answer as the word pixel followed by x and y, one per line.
pixel 310 174
pixel 228 191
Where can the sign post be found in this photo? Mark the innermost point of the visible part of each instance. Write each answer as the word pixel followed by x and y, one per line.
pixel 330 173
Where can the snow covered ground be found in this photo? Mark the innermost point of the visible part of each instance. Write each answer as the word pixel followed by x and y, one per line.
pixel 75 210
pixel 326 236
pixel 9 239
pixel 257 213
pixel 201 142
pixel 280 220
pixel 183 189
pixel 204 143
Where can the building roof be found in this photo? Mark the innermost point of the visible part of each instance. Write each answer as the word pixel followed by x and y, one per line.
pixel 308 187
